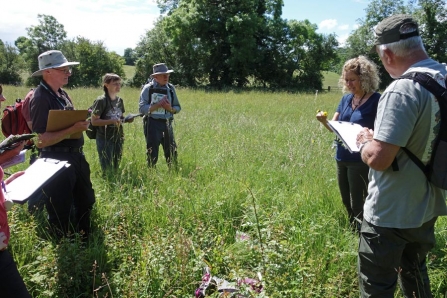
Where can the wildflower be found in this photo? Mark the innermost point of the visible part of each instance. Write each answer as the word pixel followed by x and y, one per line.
pixel 323 113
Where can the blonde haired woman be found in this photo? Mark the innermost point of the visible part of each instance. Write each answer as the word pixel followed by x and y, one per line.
pixel 360 79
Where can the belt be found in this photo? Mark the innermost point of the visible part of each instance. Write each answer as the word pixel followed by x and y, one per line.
pixel 160 119
pixel 63 149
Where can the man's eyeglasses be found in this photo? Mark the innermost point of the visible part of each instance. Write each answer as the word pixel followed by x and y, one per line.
pixel 65 70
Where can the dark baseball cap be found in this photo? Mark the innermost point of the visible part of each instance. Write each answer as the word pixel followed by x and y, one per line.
pixel 388 30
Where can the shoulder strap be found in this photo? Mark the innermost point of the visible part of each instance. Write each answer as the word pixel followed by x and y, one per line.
pixel 171 90
pixel 439 92
pixel 107 102
pixel 427 82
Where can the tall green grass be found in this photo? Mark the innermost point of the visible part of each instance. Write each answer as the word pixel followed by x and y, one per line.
pixel 256 164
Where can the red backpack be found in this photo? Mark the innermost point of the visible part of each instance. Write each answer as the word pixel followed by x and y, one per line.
pixel 13 121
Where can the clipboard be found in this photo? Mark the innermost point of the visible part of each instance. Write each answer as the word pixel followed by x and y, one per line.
pixel 156 95
pixel 36 176
pixel 7 144
pixel 347 132
pixel 130 117
pixel 62 119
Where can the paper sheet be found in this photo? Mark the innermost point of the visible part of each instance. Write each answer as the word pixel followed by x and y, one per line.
pixel 19 158
pixel 35 177
pixel 347 132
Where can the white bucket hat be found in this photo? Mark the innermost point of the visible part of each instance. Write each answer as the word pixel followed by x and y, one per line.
pixel 160 68
pixel 51 59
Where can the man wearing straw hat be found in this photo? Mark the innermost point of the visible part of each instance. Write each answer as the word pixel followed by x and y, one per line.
pixel 159 103
pixel 69 198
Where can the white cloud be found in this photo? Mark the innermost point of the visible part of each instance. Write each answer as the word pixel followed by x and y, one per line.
pixel 328 24
pixel 343 27
pixel 342 39
pixel 118 23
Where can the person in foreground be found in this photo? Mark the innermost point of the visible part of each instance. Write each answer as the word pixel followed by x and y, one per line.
pixel 402 206
pixel 159 103
pixel 11 283
pixel 360 78
pixel 70 196
pixel 107 114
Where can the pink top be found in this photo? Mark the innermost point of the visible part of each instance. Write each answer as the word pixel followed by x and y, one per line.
pixel 3 215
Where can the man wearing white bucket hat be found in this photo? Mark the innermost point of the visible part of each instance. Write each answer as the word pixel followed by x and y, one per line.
pixel 159 103
pixel 69 198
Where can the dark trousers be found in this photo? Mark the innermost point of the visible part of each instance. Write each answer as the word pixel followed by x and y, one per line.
pixel 69 197
pixel 353 183
pixel 160 132
pixel 110 152
pixel 387 255
pixel 11 283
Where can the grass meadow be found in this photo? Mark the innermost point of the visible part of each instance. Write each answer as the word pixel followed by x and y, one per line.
pixel 255 191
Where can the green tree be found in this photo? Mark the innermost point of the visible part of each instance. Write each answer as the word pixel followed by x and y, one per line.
pixel 94 58
pixel 129 56
pixel 433 15
pixel 94 62
pixel 430 14
pixel 312 53
pixel 227 43
pixel 362 39
pixel 48 35
pixel 154 48
pixel 10 64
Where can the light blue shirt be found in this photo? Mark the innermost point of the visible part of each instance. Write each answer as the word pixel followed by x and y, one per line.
pixel 146 102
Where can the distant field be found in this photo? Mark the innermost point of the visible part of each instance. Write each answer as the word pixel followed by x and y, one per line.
pixel 129 70
pixel 330 79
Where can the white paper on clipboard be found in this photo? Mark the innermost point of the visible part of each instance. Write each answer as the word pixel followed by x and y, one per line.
pixel 36 176
pixel 347 133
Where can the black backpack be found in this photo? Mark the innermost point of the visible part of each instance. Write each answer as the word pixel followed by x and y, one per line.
pixel 92 129
pixel 436 169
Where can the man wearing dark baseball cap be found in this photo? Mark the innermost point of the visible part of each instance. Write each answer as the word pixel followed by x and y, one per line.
pixel 402 206
pixel 390 30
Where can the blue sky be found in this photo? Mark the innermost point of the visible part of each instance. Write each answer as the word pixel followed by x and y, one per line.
pixel 121 23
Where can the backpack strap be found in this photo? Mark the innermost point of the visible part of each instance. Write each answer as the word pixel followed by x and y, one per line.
pixel 439 92
pixel 427 82
pixel 171 90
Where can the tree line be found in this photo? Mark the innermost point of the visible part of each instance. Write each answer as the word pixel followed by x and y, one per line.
pixel 224 44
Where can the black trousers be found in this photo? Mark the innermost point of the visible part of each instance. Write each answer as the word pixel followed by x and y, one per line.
pixel 69 197
pixel 158 133
pixel 11 283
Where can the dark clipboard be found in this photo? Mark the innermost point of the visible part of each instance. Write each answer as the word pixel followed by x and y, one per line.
pixel 62 119
pixel 131 116
pixel 36 176
pixel 9 142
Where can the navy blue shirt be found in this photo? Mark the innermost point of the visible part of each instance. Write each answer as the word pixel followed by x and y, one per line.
pixel 363 115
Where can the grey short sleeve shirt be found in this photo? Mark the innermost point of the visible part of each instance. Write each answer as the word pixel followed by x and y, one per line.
pixel 405 117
